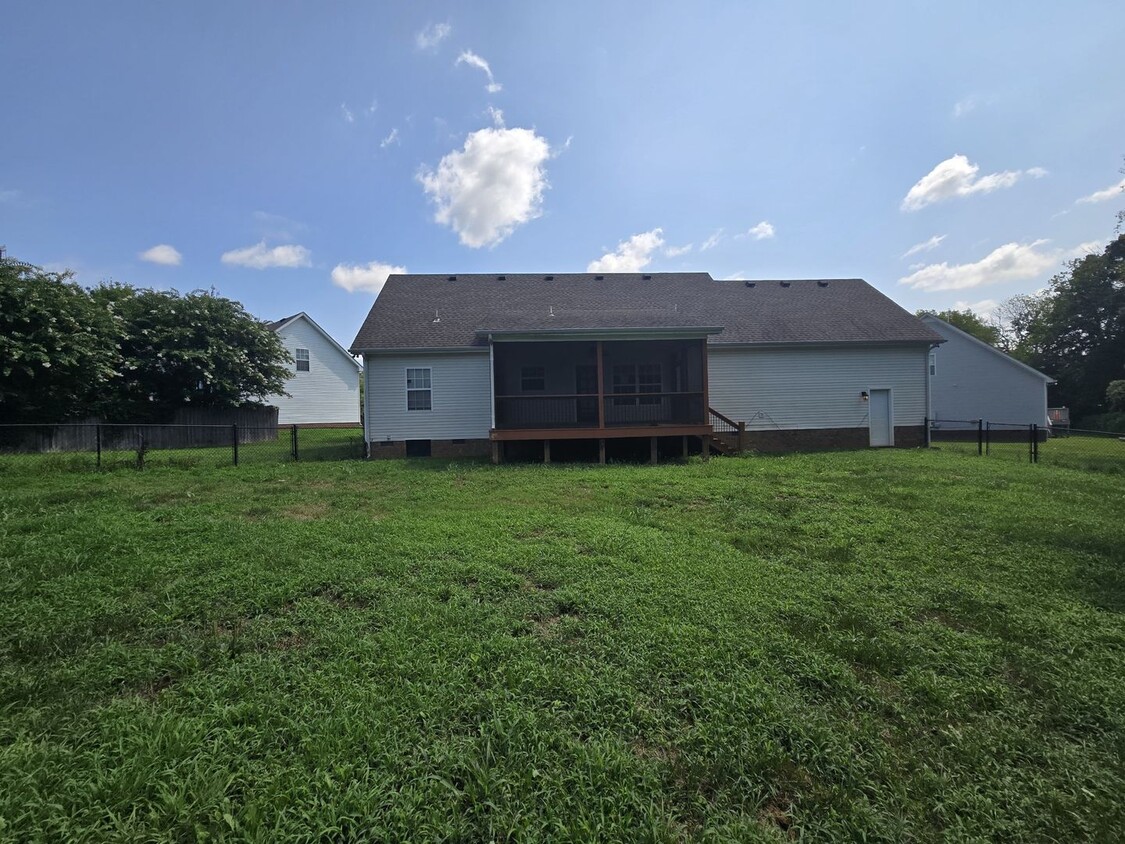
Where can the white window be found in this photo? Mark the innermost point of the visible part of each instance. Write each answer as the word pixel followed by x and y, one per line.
pixel 302 358
pixel 649 381
pixel 533 379
pixel 933 364
pixel 640 378
pixel 419 389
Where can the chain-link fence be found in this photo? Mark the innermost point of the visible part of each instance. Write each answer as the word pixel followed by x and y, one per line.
pixel 111 445
pixel 1070 447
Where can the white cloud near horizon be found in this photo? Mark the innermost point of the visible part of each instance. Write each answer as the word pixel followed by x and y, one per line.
pixel 985 308
pixel 368 278
pixel 924 246
pixel 491 186
pixel 1104 195
pixel 631 255
pixel 162 254
pixel 676 251
pixel 431 35
pixel 1010 262
pixel 957 176
pixel 261 257
pixel 712 241
pixel 762 231
pixel 473 60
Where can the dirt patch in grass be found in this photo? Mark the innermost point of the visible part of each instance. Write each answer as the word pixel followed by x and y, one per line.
pixel 776 813
pixel 936 616
pixel 305 512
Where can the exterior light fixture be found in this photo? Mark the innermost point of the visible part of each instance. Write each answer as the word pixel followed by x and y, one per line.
pixel 864 395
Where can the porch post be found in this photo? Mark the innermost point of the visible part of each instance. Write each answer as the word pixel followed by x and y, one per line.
pixel 706 392
pixel 684 438
pixel 601 395
pixel 652 450
pixel 601 451
pixel 546 451
pixel 496 451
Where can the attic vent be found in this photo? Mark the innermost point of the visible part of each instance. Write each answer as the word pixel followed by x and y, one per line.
pixel 785 284
pixel 501 278
pixel 599 278
pixel 452 278
pixel 647 277
pixel 749 284
pixel 822 284
pixel 548 278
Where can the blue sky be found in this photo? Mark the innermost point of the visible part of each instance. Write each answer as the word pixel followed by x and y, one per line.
pixel 289 154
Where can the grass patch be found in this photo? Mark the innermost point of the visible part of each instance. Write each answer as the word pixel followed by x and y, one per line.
pixel 883 645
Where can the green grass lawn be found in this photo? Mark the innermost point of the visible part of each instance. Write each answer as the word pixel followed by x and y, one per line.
pixel 901 645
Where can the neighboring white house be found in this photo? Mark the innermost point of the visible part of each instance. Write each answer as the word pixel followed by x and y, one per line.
pixel 969 379
pixel 473 364
pixel 324 386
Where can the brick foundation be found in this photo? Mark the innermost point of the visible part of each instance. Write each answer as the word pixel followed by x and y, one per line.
pixel 447 449
pixel 822 439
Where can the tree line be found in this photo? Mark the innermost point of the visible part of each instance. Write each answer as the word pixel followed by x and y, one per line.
pixel 126 354
pixel 1074 331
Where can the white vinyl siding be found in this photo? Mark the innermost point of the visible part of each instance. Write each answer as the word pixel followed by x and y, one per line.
pixel 460 404
pixel 816 387
pixel 328 391
pixel 974 382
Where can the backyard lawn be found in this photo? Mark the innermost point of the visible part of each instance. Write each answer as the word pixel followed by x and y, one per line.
pixel 902 645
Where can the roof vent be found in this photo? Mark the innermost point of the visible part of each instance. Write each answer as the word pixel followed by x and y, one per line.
pixel 822 284
pixel 452 278
pixel 599 278
pixel 501 278
pixel 548 278
pixel 785 283
pixel 647 277
pixel 749 284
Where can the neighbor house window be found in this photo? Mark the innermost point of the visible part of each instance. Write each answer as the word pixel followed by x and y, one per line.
pixel 933 364
pixel 533 379
pixel 419 389
pixel 302 357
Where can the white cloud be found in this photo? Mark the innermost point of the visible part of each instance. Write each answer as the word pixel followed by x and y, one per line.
pixel 963 107
pixel 490 186
pixel 369 278
pixel 162 253
pixel 763 231
pixel 276 227
pixel 1010 262
pixel 260 257
pixel 924 246
pixel 1095 247
pixel 631 255
pixel 984 308
pixel 473 60
pixel 676 251
pixel 497 116
pixel 392 138
pixel 347 112
pixel 712 241
pixel 1112 192
pixel 429 37
pixel 957 176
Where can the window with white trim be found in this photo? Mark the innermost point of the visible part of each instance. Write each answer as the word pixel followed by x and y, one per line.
pixel 933 364
pixel 419 388
pixel 301 356
pixel 533 379
pixel 637 378
pixel 649 380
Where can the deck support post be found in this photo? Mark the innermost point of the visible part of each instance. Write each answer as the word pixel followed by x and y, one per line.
pixel 742 437
pixel 546 451
pixel 706 453
pixel 686 450
pixel 601 451
pixel 652 450
pixel 496 451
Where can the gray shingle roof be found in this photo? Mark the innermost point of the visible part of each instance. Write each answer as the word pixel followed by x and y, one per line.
pixel 442 311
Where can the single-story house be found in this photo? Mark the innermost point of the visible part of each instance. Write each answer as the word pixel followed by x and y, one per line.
pixel 969 379
pixel 520 364
pixel 324 386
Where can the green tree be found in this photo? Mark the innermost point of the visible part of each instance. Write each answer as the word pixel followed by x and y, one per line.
pixel 195 349
pixel 58 355
pixel 1115 395
pixel 968 322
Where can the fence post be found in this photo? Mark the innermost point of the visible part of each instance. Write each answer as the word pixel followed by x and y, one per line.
pixel 141 450
pixel 987 437
pixel 742 437
pixel 234 441
pixel 1034 443
pixel 295 454
pixel 98 442
pixel 980 437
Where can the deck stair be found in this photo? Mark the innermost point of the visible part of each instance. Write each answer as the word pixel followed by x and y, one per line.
pixel 727 436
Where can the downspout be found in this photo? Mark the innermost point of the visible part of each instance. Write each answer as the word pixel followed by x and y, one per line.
pixel 929 393
pixel 491 384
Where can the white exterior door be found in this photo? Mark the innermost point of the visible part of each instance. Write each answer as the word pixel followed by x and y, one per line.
pixel 879 419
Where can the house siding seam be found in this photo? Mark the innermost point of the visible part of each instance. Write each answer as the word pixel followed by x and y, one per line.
pixel 818 388
pixel 973 383
pixel 328 392
pixel 461 398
